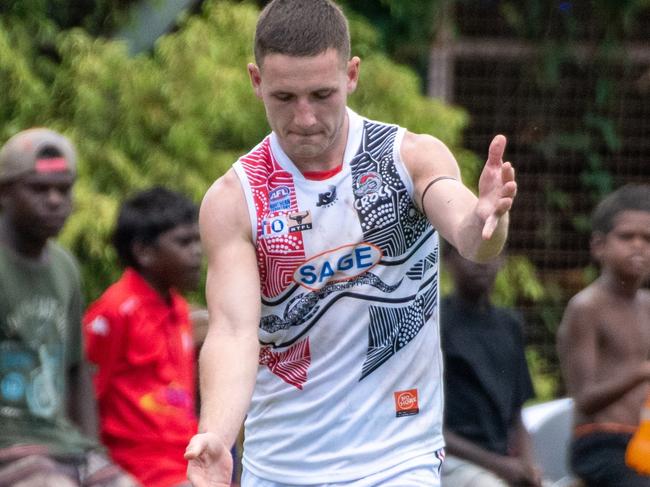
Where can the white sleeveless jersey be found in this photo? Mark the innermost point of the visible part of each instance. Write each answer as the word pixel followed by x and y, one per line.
pixel 350 374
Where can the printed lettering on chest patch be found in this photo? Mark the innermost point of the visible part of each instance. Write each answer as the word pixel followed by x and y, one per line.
pixel 280 199
pixel 283 224
pixel 406 403
pixel 340 264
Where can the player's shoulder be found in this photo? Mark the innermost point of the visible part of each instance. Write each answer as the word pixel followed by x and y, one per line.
pixel 224 211
pixel 223 189
pixel 424 154
pixel 422 143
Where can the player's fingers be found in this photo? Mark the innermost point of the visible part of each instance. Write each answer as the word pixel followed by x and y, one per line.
pixel 509 190
pixel 195 447
pixel 507 172
pixel 496 150
pixel 503 205
pixel 488 228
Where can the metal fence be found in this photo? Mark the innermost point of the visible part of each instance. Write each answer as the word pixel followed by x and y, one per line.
pixel 570 139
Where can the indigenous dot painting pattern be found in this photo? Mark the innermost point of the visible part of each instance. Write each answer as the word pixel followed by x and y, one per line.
pixel 265 175
pixel 388 220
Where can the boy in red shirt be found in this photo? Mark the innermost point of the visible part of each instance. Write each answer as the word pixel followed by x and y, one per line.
pixel 139 336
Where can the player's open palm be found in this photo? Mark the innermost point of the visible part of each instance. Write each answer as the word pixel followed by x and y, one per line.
pixel 209 461
pixel 496 188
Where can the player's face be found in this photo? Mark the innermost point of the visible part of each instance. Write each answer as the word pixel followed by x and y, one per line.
pixel 626 248
pixel 38 204
pixel 305 100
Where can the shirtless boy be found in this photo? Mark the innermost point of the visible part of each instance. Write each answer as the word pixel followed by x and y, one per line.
pixel 604 341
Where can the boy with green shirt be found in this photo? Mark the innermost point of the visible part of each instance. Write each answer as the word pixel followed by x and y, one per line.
pixel 42 386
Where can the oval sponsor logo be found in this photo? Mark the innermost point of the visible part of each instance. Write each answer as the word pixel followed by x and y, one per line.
pixel 340 264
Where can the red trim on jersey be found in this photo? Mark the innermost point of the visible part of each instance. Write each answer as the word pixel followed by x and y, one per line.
pixel 322 175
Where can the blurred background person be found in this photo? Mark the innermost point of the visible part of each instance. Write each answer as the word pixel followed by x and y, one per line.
pixel 604 342
pixel 139 335
pixel 486 383
pixel 43 380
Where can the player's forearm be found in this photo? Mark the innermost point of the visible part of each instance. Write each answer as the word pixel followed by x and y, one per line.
pixel 228 367
pixel 470 242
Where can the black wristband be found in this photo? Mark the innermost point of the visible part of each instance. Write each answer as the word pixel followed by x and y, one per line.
pixel 431 183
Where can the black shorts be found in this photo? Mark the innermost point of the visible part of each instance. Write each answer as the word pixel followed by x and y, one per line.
pixel 598 458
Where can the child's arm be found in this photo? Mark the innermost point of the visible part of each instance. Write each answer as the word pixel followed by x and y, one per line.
pixel 578 351
pixel 509 468
pixel 521 446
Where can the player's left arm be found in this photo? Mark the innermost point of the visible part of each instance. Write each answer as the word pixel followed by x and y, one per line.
pixel 476 225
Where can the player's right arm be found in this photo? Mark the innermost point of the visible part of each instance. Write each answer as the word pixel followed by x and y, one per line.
pixel 229 356
pixel 578 350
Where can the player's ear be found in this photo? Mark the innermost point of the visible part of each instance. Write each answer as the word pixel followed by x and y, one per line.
pixel 352 71
pixel 255 76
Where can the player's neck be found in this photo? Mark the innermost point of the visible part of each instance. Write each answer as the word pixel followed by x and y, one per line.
pixel 331 158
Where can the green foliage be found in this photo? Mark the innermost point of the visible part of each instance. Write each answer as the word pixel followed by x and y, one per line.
pixel 178 116
pixel 558 27
pixel 97 16
pixel 545 380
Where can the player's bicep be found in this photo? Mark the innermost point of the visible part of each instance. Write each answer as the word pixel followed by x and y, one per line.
pixel 438 189
pixel 232 285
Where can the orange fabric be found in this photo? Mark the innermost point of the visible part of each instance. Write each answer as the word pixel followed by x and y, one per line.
pixel 145 378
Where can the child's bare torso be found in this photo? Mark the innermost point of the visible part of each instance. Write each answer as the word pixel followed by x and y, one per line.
pixel 622 334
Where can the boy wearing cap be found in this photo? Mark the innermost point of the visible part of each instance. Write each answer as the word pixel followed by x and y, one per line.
pixel 41 391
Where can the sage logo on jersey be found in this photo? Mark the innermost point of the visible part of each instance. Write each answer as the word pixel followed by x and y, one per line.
pixel 406 403
pixel 280 198
pixel 368 188
pixel 340 264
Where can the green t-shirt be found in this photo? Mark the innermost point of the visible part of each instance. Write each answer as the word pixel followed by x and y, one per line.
pixel 40 339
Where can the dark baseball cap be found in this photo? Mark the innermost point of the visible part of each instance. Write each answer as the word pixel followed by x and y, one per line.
pixel 23 153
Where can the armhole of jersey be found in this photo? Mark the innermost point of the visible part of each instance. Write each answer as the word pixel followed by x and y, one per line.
pixel 399 164
pixel 248 193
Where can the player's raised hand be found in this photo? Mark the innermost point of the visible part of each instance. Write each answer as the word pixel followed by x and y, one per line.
pixel 209 461
pixel 496 188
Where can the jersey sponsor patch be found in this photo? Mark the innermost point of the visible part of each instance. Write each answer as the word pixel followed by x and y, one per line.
pixel 283 224
pixel 280 198
pixel 406 403
pixel 327 198
pixel 340 264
